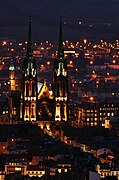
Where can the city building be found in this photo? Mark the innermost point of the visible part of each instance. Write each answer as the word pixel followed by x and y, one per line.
pixel 95 114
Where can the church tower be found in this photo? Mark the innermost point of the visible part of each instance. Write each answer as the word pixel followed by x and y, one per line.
pixel 60 82
pixel 28 111
pixel 12 76
pixel 14 96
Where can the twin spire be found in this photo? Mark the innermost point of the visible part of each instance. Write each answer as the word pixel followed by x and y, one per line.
pixel 29 52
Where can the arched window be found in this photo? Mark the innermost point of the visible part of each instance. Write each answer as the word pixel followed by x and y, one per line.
pixel 33 89
pixel 33 110
pixel 63 89
pixel 58 89
pixel 27 89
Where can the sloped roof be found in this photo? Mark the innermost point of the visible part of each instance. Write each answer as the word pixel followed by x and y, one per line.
pixel 44 92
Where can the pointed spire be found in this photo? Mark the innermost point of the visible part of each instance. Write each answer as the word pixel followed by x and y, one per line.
pixel 60 43
pixel 44 82
pixel 29 42
pixel 11 66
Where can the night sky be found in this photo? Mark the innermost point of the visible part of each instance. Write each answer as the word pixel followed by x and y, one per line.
pixel 45 16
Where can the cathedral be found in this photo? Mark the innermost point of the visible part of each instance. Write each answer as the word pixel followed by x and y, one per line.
pixel 34 106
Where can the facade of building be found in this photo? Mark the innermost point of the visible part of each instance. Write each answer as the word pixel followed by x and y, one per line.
pixel 95 114
pixel 45 104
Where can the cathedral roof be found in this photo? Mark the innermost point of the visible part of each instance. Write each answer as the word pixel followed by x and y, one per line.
pixel 44 92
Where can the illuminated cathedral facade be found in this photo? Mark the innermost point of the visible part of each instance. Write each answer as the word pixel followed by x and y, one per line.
pixel 42 106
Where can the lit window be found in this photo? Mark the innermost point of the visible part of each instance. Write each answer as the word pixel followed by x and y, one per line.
pixel 91 124
pixel 112 114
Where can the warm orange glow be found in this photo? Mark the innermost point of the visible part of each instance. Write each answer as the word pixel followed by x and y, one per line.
pixel 72 46
pixel 70 62
pixel 42 66
pixel 91 62
pixel 48 62
pixel 91 98
pixel 12 84
pixel 65 55
pixel 48 126
pixel 114 61
pixel 85 41
pixel 53 56
pixel 57 115
pixel 65 113
pixel 4 43
pixel 36 52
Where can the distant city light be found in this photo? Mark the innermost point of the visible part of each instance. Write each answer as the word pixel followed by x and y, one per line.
pixel 48 62
pixel 70 62
pixel 91 62
pixel 91 98
pixel 85 41
pixel 4 43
